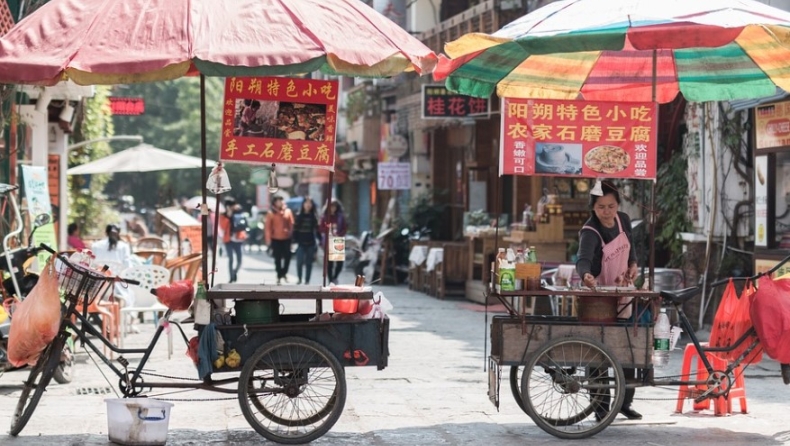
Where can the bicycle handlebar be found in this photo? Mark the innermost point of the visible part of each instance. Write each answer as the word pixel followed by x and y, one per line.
pixel 63 259
pixel 754 277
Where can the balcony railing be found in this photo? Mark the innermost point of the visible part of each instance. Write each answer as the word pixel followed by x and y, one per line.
pixel 485 17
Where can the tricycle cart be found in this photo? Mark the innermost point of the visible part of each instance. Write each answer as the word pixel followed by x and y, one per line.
pixel 568 375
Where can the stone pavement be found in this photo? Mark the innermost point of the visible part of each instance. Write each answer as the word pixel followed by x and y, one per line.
pixel 432 393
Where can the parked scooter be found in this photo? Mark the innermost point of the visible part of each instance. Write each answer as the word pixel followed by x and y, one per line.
pixel 20 282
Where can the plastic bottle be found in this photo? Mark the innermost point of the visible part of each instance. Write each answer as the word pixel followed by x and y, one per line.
pixel 520 258
pixel 661 333
pixel 500 256
pixel 533 255
pixel 202 306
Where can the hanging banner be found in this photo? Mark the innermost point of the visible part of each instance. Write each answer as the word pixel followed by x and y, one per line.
pixel 277 120
pixel 772 125
pixel 761 201
pixel 578 138
pixel 36 188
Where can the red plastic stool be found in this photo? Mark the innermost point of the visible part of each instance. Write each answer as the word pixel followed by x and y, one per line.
pixel 722 405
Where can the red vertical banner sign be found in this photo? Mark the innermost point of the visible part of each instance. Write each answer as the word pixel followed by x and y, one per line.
pixel 53 178
pixel 579 138
pixel 277 120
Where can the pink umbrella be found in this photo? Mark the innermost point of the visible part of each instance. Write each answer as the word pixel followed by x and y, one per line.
pixel 112 42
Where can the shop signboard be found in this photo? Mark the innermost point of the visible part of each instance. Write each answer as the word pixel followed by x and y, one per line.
pixel 439 103
pixel 578 138
pixel 761 201
pixel 394 176
pixel 127 106
pixel 278 120
pixel 765 265
pixel 772 125
pixel 36 188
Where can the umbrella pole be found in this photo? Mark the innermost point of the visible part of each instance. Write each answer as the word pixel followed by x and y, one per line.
pixel 216 241
pixel 204 179
pixel 652 211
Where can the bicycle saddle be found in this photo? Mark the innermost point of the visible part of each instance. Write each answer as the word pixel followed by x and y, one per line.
pixel 679 296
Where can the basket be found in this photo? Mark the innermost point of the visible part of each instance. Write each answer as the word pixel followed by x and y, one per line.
pixel 597 308
pixel 81 283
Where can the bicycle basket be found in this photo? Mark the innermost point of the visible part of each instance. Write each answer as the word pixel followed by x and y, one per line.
pixel 81 283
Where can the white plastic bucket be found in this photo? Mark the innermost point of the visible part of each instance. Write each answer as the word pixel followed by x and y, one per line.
pixel 138 421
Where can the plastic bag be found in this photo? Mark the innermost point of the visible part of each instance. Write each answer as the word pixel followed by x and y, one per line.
pixel 770 313
pixel 36 320
pixel 377 308
pixel 722 323
pixel 177 295
pixel 740 324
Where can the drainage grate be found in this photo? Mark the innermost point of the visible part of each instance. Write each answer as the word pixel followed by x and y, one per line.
pixel 93 391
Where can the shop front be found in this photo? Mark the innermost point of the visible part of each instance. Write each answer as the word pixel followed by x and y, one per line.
pixel 771 184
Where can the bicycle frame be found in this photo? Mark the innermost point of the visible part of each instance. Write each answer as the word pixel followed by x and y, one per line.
pixel 132 379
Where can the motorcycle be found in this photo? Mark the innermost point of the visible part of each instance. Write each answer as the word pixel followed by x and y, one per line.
pixel 20 282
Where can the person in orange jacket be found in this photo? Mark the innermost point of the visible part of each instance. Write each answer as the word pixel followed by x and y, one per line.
pixel 278 230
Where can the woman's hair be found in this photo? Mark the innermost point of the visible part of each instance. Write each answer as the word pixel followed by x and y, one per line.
pixel 302 210
pixel 338 206
pixel 73 228
pixel 113 235
pixel 608 189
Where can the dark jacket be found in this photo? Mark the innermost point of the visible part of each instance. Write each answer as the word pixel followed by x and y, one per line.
pixel 305 231
pixel 590 252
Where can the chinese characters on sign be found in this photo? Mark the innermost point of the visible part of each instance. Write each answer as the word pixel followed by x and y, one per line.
pixel 437 102
pixel 394 176
pixel 772 125
pixel 277 120
pixel 127 106
pixel 578 138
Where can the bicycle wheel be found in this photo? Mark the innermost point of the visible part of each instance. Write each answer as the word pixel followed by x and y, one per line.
pixel 569 379
pixel 292 390
pixel 37 383
pixel 515 385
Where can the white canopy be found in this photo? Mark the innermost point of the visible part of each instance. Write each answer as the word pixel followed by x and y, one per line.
pixel 141 158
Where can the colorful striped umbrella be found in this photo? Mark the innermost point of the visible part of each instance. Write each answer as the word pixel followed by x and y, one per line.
pixel 116 42
pixel 620 50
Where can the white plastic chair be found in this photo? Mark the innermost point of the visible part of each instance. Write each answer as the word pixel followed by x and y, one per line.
pixel 149 276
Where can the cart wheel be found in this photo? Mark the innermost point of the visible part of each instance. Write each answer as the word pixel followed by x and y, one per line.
pixel 567 387
pixel 292 390
pixel 515 385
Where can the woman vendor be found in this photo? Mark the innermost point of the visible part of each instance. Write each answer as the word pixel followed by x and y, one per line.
pixel 607 257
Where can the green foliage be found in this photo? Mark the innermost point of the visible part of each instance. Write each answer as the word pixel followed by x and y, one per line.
pixel 172 122
pixel 87 204
pixel 672 205
pixel 423 213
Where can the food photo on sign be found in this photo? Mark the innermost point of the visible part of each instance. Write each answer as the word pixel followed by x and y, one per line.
pixel 578 138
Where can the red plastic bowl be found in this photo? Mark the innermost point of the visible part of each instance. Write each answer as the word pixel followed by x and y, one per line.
pixel 348 306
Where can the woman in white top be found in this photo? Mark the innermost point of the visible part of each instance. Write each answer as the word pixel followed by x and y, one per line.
pixel 117 254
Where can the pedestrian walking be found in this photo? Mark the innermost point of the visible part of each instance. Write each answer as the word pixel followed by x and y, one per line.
pixel 233 230
pixel 306 236
pixel 278 230
pixel 333 223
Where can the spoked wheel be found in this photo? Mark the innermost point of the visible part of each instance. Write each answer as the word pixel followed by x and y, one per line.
pixel 292 390
pixel 572 387
pixel 515 385
pixel 63 372
pixel 36 383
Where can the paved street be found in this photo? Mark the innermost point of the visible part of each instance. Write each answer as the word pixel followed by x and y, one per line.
pixel 432 393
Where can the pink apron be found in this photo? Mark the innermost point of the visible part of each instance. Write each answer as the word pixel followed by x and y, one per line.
pixel 614 266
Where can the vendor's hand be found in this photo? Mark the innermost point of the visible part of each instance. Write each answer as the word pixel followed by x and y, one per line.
pixel 632 272
pixel 589 280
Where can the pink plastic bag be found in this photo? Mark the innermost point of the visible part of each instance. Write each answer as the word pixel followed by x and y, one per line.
pixel 36 320
pixel 770 311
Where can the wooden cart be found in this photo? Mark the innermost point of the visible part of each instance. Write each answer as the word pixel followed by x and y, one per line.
pixel 566 374
pixel 292 387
